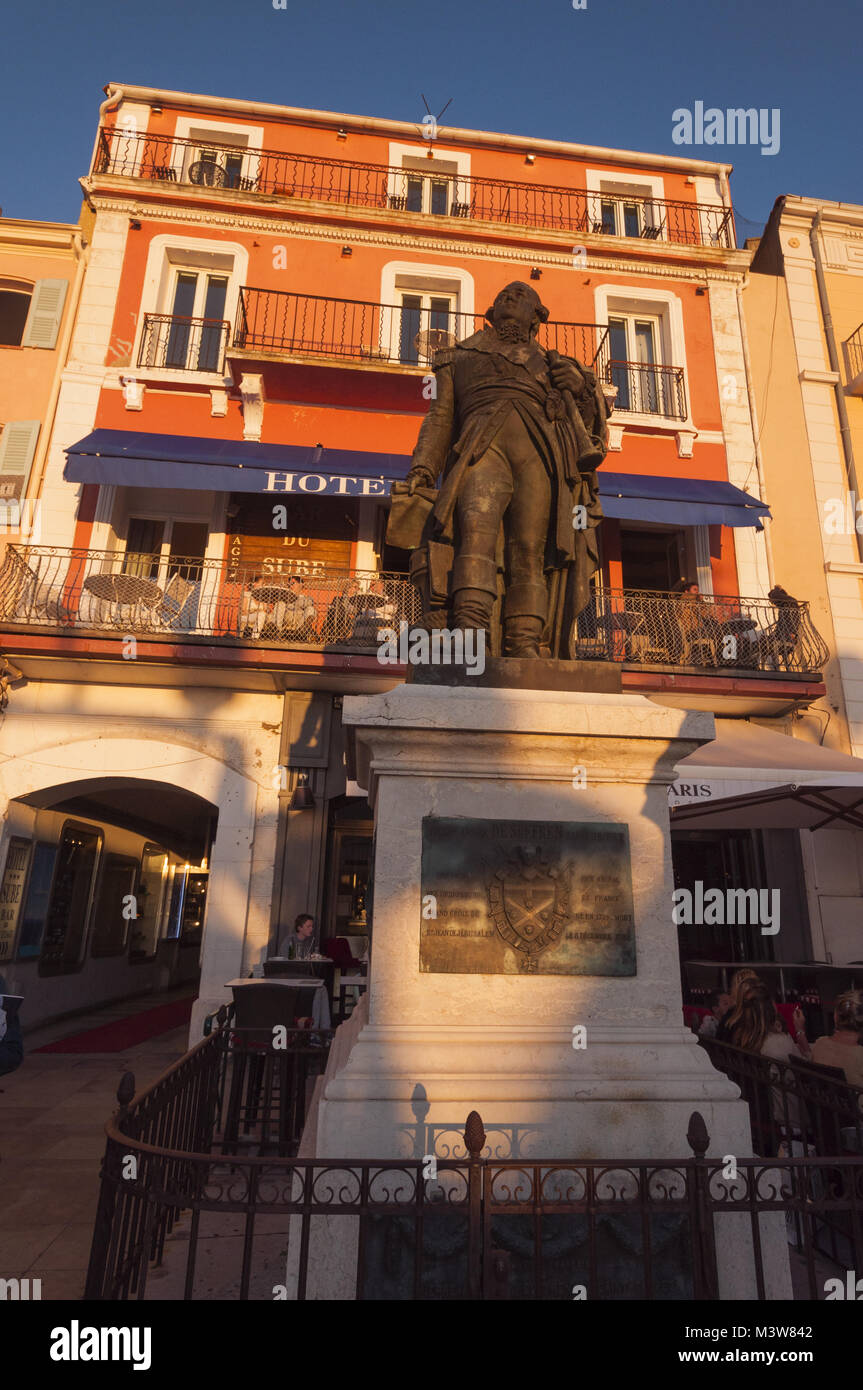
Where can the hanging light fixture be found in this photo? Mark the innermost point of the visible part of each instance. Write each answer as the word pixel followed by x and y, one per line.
pixel 302 798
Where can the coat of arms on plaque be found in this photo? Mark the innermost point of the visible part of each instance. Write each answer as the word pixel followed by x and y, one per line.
pixel 529 901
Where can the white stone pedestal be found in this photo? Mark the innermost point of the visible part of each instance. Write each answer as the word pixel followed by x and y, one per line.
pixel 432 1047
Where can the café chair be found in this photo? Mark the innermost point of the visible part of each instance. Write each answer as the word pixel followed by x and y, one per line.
pixel 260 1082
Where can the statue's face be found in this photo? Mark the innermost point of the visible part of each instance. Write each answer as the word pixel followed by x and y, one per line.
pixel 515 309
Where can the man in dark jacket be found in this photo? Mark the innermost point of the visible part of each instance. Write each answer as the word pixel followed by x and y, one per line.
pixel 517 433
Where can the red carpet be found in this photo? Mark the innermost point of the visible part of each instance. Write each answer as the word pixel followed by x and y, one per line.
pixel 124 1033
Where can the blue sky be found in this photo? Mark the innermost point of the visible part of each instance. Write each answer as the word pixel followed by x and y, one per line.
pixel 609 74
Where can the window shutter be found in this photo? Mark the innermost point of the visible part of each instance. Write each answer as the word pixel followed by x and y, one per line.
pixel 46 310
pixel 17 447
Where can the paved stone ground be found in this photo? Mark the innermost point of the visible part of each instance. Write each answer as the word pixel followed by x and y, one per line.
pixel 53 1111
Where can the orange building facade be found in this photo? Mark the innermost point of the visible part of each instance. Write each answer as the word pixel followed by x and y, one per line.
pixel 250 365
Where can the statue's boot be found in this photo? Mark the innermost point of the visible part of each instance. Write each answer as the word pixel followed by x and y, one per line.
pixel 524 609
pixel 474 582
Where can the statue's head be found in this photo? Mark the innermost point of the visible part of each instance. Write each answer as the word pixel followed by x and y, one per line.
pixel 517 312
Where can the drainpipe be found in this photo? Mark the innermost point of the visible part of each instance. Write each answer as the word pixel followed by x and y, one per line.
pixel 833 356
pixel 113 99
pixel 753 416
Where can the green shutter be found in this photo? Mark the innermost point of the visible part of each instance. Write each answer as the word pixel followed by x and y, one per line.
pixel 17 447
pixel 46 311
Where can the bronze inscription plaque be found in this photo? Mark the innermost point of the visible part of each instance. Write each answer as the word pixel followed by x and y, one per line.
pixel 509 897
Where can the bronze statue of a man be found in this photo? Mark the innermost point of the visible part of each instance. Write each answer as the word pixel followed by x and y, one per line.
pixel 517 433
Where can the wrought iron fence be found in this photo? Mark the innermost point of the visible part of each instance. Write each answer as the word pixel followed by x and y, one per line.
pixel 648 389
pixel 300 603
pixel 432 192
pixel 184 344
pixel 641 627
pixel 409 333
pixel 211 1221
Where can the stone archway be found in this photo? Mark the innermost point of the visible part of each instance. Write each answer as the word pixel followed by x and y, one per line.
pixel 92 761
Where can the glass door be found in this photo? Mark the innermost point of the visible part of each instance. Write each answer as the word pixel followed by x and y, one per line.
pixel 427 323
pixel 195 346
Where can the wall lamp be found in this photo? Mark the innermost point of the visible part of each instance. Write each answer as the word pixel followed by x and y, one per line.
pixel 530 159
pixel 341 135
pixel 347 250
pixel 134 225
pixel 156 110
pixel 535 273
pixel 302 798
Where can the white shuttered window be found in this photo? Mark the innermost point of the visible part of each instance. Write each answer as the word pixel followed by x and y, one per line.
pixel 46 311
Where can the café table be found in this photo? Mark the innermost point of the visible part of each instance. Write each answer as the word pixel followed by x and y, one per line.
pixel 267 592
pixel 124 588
pixel 128 591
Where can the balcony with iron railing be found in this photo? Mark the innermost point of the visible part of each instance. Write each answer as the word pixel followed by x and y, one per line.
pixel 644 388
pixel 651 629
pixel 280 322
pixel 388 188
pixel 173 598
pixel 183 344
pixel 854 362
pixel 187 597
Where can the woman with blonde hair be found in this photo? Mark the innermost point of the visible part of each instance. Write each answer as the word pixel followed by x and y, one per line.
pixel 759 1029
pixel 739 981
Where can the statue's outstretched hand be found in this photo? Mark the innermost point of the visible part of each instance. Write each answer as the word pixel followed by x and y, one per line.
pixel 419 477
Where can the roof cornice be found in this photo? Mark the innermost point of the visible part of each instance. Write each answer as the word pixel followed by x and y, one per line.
pixel 449 135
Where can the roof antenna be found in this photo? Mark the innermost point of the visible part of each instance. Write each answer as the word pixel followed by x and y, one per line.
pixel 429 127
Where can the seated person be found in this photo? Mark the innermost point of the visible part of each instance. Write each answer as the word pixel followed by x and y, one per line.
pixel 253 612
pixel 298 944
pixel 341 613
pixel 719 1005
pixel 295 614
pixel 738 984
pixel 697 622
pixel 759 1029
pixel 841 1050
pixel 776 645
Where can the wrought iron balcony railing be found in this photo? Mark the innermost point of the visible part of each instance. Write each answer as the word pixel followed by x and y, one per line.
pixel 643 628
pixel 854 362
pixel 409 333
pixel 431 192
pixel 155 595
pixel 644 388
pixel 184 344
pixel 183 597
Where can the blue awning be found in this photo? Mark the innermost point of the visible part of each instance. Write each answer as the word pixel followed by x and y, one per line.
pixel 678 501
pixel 125 457
pixel 132 459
